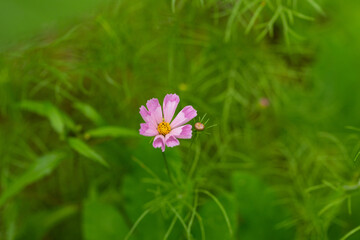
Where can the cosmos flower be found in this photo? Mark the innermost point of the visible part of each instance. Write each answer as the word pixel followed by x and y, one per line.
pixel 159 122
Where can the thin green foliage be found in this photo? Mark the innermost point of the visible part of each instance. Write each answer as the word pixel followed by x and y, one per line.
pixel 181 220
pixel 352 232
pixel 83 149
pixel 168 232
pixel 39 169
pixel 276 101
pixel 221 207
pixel 142 216
pixel 111 131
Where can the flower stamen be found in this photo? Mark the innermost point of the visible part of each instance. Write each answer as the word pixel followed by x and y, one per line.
pixel 164 128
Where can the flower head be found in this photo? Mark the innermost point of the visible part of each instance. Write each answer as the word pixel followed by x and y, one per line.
pixel 199 126
pixel 159 122
pixel 264 102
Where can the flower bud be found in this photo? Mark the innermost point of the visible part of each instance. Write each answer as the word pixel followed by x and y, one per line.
pixel 199 126
pixel 264 102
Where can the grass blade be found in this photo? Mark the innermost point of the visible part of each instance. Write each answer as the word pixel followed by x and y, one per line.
pixel 42 167
pixel 173 2
pixel 330 205
pixel 168 232
pixel 137 223
pixel 112 131
pixel 181 220
pixel 89 112
pixel 221 208
pixel 231 20
pixel 46 109
pixel 84 150
pixel 351 233
pixel 316 6
pixel 254 17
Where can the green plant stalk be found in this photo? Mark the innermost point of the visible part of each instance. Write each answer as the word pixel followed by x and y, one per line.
pixel 192 166
pixel 167 167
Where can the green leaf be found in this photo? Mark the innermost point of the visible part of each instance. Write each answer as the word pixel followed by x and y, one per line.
pixel 112 131
pixel 222 209
pixel 40 108
pixel 316 6
pixel 37 224
pixel 352 232
pixel 231 20
pixel 302 16
pixel 89 112
pixel 83 149
pixel 42 167
pixel 254 17
pixel 216 226
pixel 55 119
pixel 102 221
pixel 47 109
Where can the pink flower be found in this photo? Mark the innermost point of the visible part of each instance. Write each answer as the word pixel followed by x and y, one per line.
pixel 264 102
pixel 159 121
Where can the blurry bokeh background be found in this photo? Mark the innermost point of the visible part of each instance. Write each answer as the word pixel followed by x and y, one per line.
pixel 280 79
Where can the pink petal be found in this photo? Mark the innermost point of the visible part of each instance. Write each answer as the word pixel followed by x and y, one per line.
pixel 147 129
pixel 159 142
pixel 171 141
pixel 183 132
pixel 170 103
pixel 155 109
pixel 146 115
pixel 184 116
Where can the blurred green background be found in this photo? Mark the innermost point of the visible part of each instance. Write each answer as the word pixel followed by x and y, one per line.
pixel 74 74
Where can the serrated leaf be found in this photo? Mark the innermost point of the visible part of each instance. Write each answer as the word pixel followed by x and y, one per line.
pixel 84 150
pixel 112 131
pixel 42 167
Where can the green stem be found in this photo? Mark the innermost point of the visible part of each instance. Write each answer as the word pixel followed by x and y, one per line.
pixel 193 165
pixel 191 143
pixel 167 167
pixel 188 153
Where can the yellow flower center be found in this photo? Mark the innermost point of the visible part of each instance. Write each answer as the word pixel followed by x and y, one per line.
pixel 164 128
